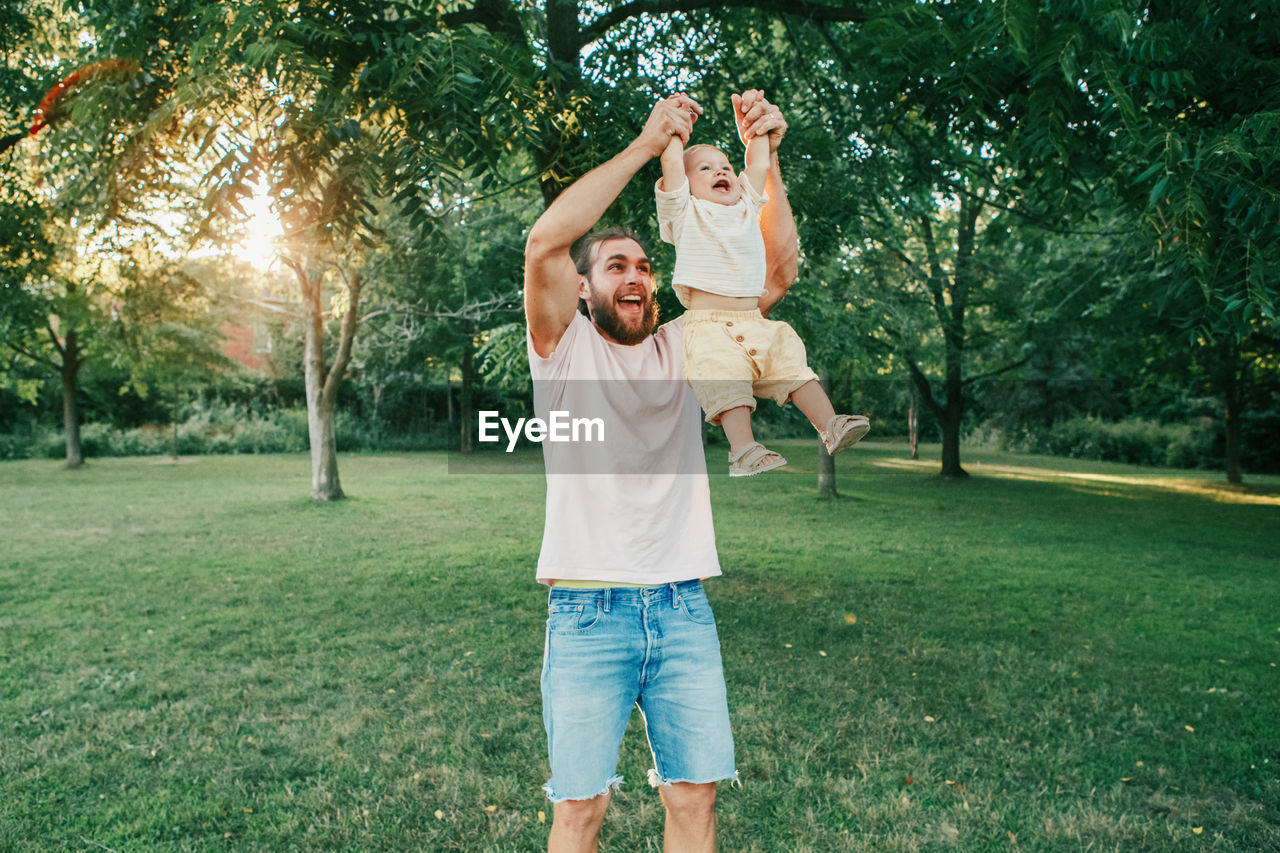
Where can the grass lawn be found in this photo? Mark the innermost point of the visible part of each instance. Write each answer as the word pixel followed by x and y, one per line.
pixel 1051 655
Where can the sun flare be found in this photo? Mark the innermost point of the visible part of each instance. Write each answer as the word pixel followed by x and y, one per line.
pixel 262 232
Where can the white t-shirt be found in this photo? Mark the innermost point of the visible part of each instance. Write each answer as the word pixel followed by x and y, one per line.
pixel 719 247
pixel 635 508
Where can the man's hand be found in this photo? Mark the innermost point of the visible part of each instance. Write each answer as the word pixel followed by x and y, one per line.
pixel 550 278
pixel 673 116
pixel 757 117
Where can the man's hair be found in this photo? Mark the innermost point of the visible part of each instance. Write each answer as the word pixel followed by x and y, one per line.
pixel 584 254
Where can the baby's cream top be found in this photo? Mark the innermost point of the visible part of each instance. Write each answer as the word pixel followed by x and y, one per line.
pixel 719 247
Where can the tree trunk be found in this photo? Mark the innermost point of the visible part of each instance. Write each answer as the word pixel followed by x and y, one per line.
pixel 923 391
pixel 448 396
pixel 556 155
pixel 325 485
pixel 1233 392
pixel 913 423
pixel 952 418
pixel 173 424
pixel 379 387
pixel 953 321
pixel 950 314
pixel 826 473
pixel 322 386
pixel 826 464
pixel 465 402
pixel 70 407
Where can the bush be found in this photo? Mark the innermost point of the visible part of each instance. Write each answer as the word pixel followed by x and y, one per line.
pixel 1135 440
pixel 207 431
pixel 15 446
pixel 1190 446
pixel 228 429
pixel 144 441
pixel 266 436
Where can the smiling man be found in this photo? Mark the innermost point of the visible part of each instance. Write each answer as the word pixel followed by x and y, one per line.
pixel 627 542
pixel 617 288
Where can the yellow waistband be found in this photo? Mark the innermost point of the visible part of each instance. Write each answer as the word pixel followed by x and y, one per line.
pixel 716 315
pixel 579 584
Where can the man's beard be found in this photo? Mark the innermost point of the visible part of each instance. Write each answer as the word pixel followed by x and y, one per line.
pixel 604 313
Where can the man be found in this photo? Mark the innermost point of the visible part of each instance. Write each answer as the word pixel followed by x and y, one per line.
pixel 625 549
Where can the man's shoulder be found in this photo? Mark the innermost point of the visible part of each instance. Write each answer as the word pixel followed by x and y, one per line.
pixel 542 366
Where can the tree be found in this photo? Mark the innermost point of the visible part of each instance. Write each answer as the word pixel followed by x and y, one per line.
pixel 90 193
pixel 556 37
pixel 1192 153
pixel 446 287
pixel 341 115
pixel 924 174
pixel 1200 160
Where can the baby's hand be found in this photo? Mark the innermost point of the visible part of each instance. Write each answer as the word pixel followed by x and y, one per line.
pixel 757 117
pixel 671 117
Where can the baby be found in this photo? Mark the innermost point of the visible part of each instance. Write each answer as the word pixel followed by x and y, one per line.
pixel 731 353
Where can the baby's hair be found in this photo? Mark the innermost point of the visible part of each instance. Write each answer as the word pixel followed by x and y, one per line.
pixel 693 149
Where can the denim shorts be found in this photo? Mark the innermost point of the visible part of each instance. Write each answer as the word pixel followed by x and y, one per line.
pixel 608 650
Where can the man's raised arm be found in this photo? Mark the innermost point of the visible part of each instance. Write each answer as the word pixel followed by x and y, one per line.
pixel 550 278
pixel 757 117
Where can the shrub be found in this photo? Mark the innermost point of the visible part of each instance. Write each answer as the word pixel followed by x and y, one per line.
pixel 213 429
pixel 15 446
pixel 143 441
pixel 264 436
pixel 1135 440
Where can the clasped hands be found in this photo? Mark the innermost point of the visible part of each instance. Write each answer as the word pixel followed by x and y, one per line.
pixel 676 114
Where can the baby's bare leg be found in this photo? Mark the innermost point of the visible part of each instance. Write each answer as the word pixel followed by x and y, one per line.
pixel 743 445
pixel 737 427
pixel 814 402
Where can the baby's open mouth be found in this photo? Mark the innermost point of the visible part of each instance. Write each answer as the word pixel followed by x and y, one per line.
pixel 722 184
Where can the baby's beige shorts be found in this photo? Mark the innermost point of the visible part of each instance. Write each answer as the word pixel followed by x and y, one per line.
pixel 732 357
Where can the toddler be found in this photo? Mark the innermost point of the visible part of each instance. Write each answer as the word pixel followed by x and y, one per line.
pixel 731 353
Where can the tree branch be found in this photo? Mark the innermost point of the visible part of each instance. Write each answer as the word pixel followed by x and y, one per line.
pixel 496 16
pixel 289 309
pixel 350 321
pixel 53 337
pixel 993 373
pixel 479 311
pixel 937 276
pixel 924 387
pixel 38 359
pixel 810 11
pixel 917 376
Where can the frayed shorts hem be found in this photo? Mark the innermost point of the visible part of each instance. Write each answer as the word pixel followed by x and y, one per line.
pixel 656 780
pixel 612 785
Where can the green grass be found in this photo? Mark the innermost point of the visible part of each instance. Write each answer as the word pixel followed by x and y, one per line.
pixel 1052 655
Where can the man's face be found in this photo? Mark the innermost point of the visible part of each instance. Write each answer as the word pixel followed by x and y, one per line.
pixel 711 178
pixel 619 292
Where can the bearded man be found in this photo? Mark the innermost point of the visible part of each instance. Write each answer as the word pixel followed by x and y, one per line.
pixel 626 544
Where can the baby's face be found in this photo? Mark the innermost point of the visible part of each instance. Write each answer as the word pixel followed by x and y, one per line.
pixel 711 178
